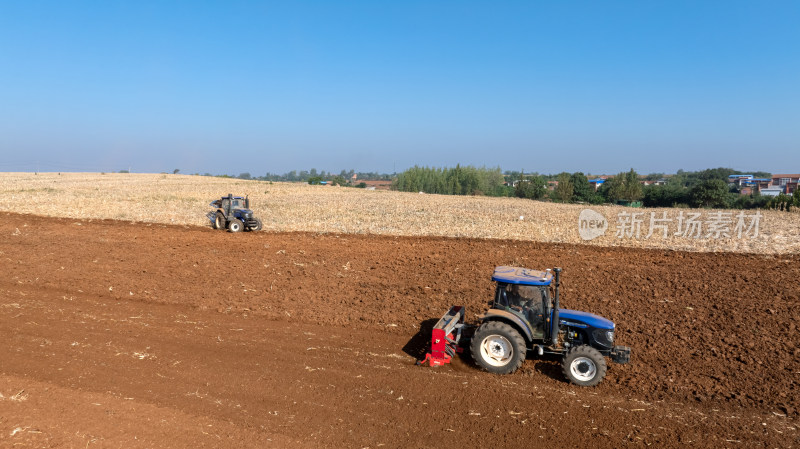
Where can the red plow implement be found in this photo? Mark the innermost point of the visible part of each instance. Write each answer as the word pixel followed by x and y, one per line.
pixel 445 336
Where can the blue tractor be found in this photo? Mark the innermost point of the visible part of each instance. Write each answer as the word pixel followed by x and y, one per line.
pixel 524 316
pixel 234 214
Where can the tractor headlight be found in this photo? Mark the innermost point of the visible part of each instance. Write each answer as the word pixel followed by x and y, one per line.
pixel 604 336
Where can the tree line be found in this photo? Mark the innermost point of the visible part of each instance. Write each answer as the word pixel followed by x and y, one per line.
pixel 699 189
pixel 461 180
pixel 311 176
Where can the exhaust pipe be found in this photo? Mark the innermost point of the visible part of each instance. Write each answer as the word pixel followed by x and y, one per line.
pixel 554 322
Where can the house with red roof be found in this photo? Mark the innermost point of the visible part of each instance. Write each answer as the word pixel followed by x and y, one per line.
pixel 787 182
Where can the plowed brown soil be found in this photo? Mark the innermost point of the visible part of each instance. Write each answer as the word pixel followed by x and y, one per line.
pixel 118 334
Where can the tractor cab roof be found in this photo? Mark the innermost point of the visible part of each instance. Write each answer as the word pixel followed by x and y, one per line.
pixel 230 197
pixel 521 276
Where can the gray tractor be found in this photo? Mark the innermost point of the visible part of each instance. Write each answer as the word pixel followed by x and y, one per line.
pixel 234 214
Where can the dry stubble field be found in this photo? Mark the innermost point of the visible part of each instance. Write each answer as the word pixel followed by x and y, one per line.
pixel 183 199
pixel 137 333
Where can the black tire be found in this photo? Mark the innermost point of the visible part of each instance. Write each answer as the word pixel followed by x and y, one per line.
pixel 235 225
pixel 219 221
pixel 498 348
pixel 257 226
pixel 583 365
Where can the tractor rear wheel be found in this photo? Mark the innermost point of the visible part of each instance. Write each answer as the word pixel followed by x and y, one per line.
pixel 235 225
pixel 498 348
pixel 583 365
pixel 219 221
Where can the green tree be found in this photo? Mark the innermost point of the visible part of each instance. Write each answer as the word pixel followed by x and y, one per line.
pixel 632 190
pixel 622 187
pixel 495 183
pixel 583 191
pixel 175 172
pixel 615 188
pixel 720 173
pixel 565 189
pixel 668 195
pixel 752 201
pixel 781 202
pixel 532 188
pixel 460 180
pixel 611 190
pixel 712 192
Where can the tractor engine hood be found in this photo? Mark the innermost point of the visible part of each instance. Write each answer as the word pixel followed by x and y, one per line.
pixel 567 317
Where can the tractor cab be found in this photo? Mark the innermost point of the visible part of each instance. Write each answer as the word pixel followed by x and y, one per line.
pixel 523 298
pixel 240 203
pixel 231 204
pixel 526 294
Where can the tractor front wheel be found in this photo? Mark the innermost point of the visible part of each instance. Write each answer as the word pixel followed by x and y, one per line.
pixel 235 225
pixel 498 348
pixel 583 365
pixel 219 221
pixel 257 226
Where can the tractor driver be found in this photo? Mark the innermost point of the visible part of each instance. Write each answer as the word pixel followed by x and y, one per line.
pixel 526 299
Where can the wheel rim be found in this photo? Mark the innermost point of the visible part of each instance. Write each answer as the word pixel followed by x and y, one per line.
pixel 583 369
pixel 235 227
pixel 496 350
pixel 219 223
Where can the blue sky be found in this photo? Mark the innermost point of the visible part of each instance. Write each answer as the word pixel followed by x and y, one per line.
pixel 233 86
